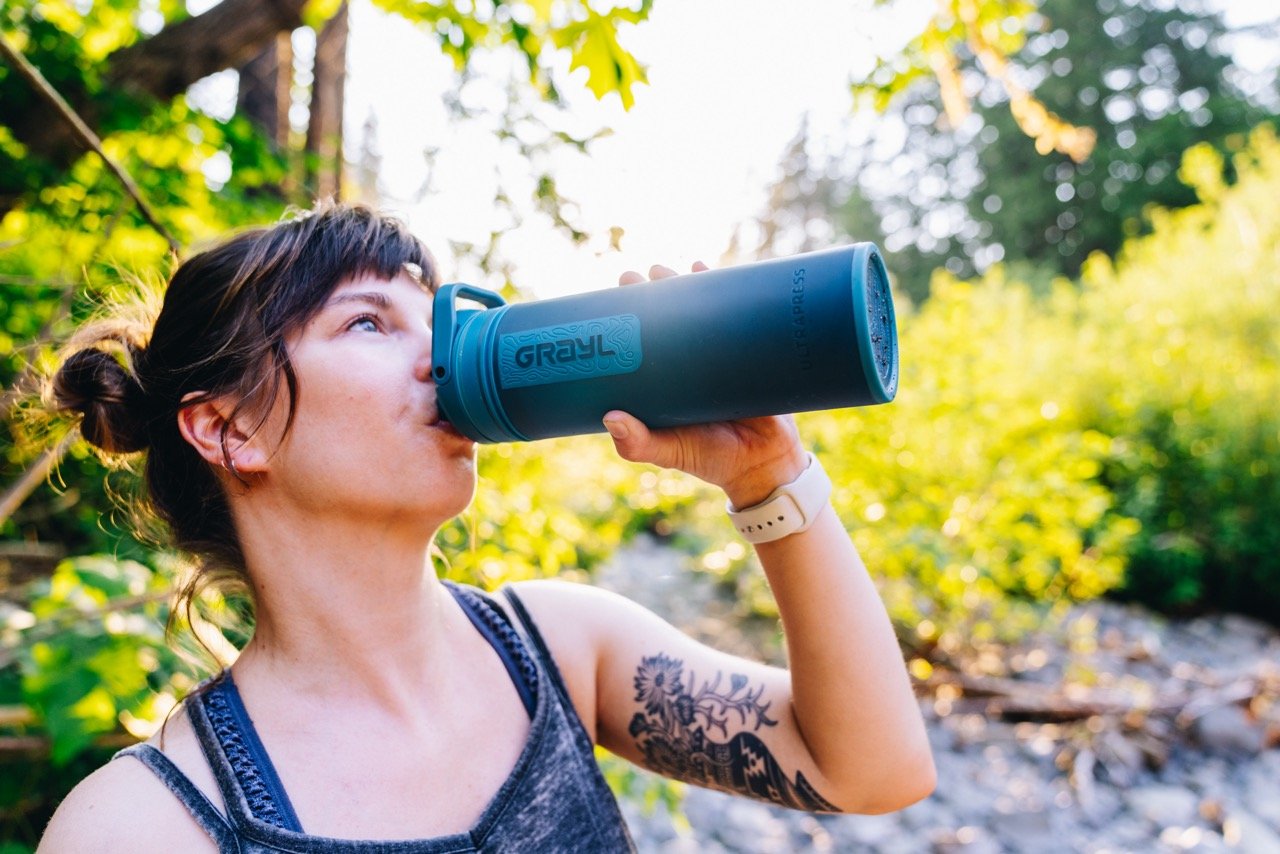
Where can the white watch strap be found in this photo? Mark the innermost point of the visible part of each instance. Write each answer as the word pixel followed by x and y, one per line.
pixel 789 509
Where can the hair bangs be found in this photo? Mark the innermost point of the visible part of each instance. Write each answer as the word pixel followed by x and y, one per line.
pixel 332 246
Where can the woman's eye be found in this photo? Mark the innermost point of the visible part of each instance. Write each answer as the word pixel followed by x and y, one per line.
pixel 365 322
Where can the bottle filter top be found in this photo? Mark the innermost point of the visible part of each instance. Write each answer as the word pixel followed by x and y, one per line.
pixel 881 324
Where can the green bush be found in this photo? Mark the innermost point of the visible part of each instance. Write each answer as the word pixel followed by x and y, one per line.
pixel 1185 373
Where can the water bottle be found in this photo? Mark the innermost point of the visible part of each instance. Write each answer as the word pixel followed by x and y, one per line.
pixel 806 332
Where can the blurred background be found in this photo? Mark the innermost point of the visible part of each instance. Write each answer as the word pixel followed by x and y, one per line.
pixel 1072 510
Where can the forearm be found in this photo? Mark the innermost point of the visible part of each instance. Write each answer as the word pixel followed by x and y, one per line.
pixel 853 718
pixel 851 695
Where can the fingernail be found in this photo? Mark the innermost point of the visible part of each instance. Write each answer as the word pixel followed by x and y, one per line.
pixel 616 428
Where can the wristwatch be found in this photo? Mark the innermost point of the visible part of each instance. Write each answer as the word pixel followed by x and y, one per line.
pixel 789 509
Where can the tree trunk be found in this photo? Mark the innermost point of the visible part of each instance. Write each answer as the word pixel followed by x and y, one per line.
pixel 264 89
pixel 228 35
pixel 324 133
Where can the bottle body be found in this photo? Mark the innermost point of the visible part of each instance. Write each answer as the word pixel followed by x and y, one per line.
pixel 813 331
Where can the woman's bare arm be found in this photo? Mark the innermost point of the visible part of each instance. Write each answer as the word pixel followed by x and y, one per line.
pixel 646 691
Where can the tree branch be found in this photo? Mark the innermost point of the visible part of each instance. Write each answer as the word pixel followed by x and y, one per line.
pixel 31 478
pixel 83 134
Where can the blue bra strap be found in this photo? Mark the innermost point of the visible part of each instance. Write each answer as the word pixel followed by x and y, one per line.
pixel 493 625
pixel 253 768
pixel 204 812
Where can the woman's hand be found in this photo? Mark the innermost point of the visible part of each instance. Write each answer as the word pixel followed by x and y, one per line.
pixel 748 459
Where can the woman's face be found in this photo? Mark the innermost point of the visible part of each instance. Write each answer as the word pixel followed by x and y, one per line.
pixel 367 438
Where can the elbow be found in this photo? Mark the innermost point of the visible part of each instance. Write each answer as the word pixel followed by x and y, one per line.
pixel 910 783
pixel 910 789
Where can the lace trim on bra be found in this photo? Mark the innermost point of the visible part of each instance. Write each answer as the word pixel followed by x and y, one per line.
pixel 257 792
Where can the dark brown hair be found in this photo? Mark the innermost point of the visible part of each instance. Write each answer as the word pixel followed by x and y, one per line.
pixel 220 333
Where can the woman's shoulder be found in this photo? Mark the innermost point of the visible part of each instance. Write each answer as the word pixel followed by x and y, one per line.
pixel 572 620
pixel 577 620
pixel 124 806
pixel 578 606
pixel 579 614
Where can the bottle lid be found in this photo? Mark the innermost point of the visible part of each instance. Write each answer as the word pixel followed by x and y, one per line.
pixel 878 339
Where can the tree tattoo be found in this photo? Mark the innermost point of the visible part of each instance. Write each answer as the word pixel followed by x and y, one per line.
pixel 676 731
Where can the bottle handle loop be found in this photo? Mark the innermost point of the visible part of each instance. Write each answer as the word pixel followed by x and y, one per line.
pixel 444 324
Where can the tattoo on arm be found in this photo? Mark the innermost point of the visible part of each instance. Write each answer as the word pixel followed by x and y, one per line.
pixel 685 734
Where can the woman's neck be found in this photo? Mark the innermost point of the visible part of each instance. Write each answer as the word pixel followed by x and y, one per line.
pixel 345 608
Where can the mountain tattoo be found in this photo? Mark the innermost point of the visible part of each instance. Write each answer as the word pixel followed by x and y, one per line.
pixel 676 730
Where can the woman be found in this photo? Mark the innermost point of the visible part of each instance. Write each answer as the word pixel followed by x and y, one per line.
pixel 285 404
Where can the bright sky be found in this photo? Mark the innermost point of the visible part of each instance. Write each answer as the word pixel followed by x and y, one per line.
pixel 729 81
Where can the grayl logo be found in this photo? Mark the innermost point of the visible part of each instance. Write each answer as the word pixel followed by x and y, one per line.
pixel 596 347
pixel 562 351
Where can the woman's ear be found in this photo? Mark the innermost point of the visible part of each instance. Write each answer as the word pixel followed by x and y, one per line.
pixel 202 424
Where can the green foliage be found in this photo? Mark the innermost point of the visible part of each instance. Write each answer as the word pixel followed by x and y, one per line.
pixel 85 655
pixel 1151 79
pixel 1005 22
pixel 73 246
pixel 561 506
pixel 594 42
pixel 1192 405
pixel 93 656
pixel 976 492
pixel 642 787
pixel 1045 446
pixel 536 29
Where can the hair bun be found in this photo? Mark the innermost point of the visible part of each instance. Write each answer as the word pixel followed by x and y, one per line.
pixel 95 384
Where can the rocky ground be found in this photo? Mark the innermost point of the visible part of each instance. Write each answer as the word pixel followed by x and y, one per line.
pixel 1175 747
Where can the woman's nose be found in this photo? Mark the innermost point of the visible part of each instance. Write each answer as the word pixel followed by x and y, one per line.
pixel 422 361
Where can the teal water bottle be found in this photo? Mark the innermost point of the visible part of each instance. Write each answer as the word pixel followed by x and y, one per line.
pixel 806 332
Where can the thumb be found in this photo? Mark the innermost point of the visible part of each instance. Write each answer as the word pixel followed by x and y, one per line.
pixel 634 441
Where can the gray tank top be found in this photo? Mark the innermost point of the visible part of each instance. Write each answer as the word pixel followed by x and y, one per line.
pixel 554 800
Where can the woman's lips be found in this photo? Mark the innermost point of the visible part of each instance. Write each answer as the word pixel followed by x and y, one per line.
pixel 446 427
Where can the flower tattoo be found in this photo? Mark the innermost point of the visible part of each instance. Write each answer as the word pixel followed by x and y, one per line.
pixel 676 730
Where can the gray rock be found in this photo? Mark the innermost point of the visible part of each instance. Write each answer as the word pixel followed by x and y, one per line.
pixel 747 826
pixel 1127 834
pixel 1210 775
pixel 810 834
pixel 857 832
pixel 705 808
pixel 928 814
pixel 1262 795
pixel 1164 806
pixel 1227 730
pixel 902 844
pixel 1249 834
pixel 965 840
pixel 651 829
pixel 973 802
pixel 1247 630
pixel 1025 831
pixel 1194 838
